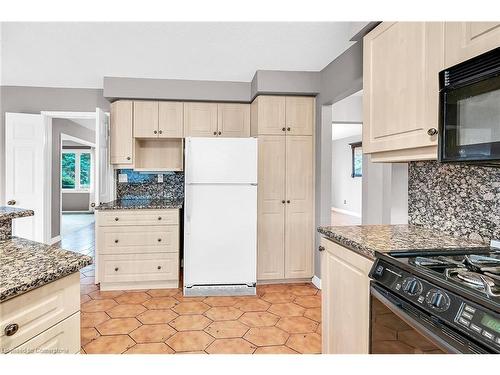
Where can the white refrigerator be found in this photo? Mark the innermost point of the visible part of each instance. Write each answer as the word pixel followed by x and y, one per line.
pixel 220 216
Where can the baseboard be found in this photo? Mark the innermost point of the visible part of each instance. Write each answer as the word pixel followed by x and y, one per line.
pixel 316 281
pixel 346 212
pixel 55 239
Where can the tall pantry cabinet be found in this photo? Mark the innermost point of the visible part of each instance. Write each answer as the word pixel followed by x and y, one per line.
pixel 284 127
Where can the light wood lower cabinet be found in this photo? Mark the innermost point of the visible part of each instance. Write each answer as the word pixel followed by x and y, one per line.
pixel 345 305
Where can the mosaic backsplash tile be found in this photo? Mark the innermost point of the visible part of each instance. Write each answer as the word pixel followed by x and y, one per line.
pixel 146 185
pixel 459 199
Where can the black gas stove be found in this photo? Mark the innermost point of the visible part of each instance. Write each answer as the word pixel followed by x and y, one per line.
pixel 451 298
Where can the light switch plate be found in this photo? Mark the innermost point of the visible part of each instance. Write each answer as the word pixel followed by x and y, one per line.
pixel 160 178
pixel 122 177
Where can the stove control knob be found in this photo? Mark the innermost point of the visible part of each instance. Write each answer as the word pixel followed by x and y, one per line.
pixel 437 300
pixel 412 286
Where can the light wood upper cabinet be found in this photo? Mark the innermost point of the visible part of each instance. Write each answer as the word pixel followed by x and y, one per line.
pixel 299 115
pixel 464 40
pixel 233 120
pixel 146 119
pixel 171 120
pixel 401 62
pixel 268 115
pixel 121 141
pixel 200 119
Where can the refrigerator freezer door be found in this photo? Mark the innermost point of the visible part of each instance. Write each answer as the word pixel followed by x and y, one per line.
pixel 220 235
pixel 221 160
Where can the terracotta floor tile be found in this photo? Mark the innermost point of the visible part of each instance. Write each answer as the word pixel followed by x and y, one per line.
pixel 87 335
pixel 280 297
pixel 150 348
pixel 223 313
pixel 190 322
pixel 287 309
pixel 297 324
pixel 189 341
pixel 308 301
pixel 160 303
pixel 97 294
pixel 274 288
pixel 252 304
pixel 259 319
pixel 152 333
pixel 163 292
pixel 231 346
pixel 181 298
pixel 220 301
pixel 93 319
pixel 318 330
pixel 314 314
pixel 280 349
pixel 109 345
pixel 86 289
pixel 227 329
pixel 266 336
pixel 84 298
pixel 119 326
pixel 98 305
pixel 132 297
pixel 191 308
pixel 156 316
pixel 195 352
pixel 307 343
pixel 303 290
pixel 126 311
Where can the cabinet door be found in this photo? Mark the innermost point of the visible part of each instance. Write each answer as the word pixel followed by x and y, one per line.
pixel 464 40
pixel 170 120
pixel 299 115
pixel 345 305
pixel 200 119
pixel 121 141
pixel 271 209
pixel 270 115
pixel 145 119
pixel 298 211
pixel 401 61
pixel 233 120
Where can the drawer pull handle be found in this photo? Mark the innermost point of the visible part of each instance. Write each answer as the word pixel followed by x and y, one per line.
pixel 116 269
pixel 159 217
pixel 116 241
pixel 159 239
pixel 159 267
pixel 116 219
pixel 321 248
pixel 11 329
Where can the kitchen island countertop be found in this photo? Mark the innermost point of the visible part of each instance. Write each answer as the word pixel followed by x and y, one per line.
pixel 141 203
pixel 9 213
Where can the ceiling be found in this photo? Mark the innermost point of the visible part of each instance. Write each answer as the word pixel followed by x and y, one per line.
pixel 80 54
pixel 340 130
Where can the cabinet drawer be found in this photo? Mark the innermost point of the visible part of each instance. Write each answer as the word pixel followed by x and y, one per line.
pixel 63 338
pixel 138 239
pixel 38 310
pixel 139 267
pixel 138 217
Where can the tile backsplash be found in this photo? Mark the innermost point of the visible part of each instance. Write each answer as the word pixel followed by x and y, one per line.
pixel 146 185
pixel 460 199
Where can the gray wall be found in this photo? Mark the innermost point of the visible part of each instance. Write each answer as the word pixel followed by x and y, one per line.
pixel 75 201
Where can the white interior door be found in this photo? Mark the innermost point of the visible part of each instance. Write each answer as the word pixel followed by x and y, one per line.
pixel 27 151
pixel 103 173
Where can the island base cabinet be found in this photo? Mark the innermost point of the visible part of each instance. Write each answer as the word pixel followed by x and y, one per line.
pixel 345 300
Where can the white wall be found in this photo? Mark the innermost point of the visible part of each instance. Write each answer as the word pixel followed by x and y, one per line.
pixel 349 110
pixel 344 187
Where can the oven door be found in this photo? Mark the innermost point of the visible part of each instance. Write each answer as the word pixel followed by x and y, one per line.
pixel 400 328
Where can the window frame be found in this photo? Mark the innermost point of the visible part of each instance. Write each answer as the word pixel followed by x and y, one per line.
pixel 78 188
pixel 354 146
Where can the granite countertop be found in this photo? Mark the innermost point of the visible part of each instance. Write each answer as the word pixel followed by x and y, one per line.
pixel 9 213
pixel 26 265
pixel 141 203
pixel 367 239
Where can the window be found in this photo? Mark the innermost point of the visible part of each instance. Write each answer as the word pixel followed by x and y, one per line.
pixel 76 170
pixel 357 159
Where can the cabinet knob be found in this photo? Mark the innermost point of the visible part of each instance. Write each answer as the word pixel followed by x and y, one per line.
pixel 161 131
pixel 116 269
pixel 321 248
pixel 288 129
pixel 432 131
pixel 154 131
pixel 215 133
pixel 283 201
pixel 11 329
pixel 92 204
pixel 220 133
pixel 12 202
pixel 116 219
pixel 159 239
pixel 288 201
pixel 159 217
pixel 128 157
pixel 283 129
pixel 116 241
pixel 159 267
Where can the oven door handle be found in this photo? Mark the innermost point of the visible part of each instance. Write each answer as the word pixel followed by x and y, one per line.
pixel 397 309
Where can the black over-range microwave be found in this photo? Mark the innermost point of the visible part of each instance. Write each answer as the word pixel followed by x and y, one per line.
pixel 469 118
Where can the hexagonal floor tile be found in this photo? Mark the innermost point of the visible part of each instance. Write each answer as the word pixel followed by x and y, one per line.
pixel 98 305
pixel 297 324
pixel 252 304
pixel 278 297
pixel 227 329
pixel 318 330
pixel 163 292
pixel 280 349
pixel 93 319
pixel 191 308
pixel 190 322
pixel 306 343
pixel 150 348
pixel 266 336
pixel 109 345
pixel 231 346
pixel 303 290
pixel 274 288
pixel 189 341
pixel 126 311
pixel 160 303
pixel 84 298
pixel 132 297
pixel 152 333
pixel 118 326
pixel 223 313
pixel 220 301
pixel 308 301
pixel 314 314
pixel 97 294
pixel 87 335
pixel 287 309
pixel 259 319
pixel 156 316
